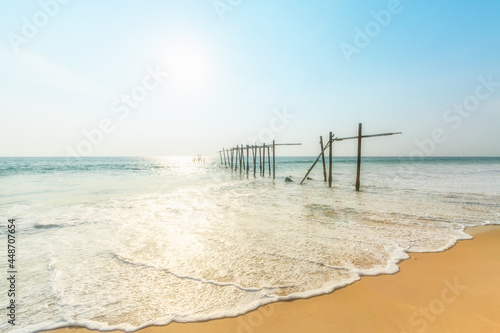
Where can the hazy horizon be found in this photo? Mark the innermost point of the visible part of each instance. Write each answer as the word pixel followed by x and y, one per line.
pixel 216 157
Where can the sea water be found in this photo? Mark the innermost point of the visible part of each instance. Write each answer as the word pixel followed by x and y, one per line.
pixel 123 243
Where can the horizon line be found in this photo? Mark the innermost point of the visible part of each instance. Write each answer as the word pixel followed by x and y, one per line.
pixel 216 156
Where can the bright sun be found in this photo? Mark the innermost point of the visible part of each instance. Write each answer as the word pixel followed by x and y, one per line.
pixel 187 66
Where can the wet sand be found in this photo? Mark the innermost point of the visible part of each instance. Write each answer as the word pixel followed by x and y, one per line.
pixel 453 291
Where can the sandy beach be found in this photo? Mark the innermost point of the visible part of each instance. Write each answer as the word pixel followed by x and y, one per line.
pixel 250 166
pixel 452 291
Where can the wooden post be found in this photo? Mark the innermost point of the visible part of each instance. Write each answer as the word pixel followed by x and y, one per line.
pixel 254 154
pixel 263 160
pixel 232 158
pixel 244 157
pixel 248 159
pixel 260 160
pixel 274 159
pixel 359 137
pixel 330 160
pixel 269 159
pixel 241 158
pixel 220 153
pixel 236 158
pixel 358 168
pixel 224 153
pixel 323 156
pixel 312 166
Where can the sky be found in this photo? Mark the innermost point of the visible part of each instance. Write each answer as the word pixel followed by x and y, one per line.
pixel 180 78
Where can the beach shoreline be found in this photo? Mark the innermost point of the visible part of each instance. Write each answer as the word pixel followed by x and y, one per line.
pixel 453 290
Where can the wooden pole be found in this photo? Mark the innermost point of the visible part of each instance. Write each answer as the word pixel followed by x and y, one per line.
pixel 260 160
pixel 242 154
pixel 330 160
pixel 236 158
pixel 312 166
pixel 269 159
pixel 248 159
pixel 289 144
pixel 263 160
pixel 274 159
pixel 221 163
pixel 358 168
pixel 323 156
pixel 224 153
pixel 310 169
pixel 233 157
pixel 254 153
pixel 367 136
pixel 241 158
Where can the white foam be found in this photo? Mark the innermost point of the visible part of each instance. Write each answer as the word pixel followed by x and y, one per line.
pixel 214 245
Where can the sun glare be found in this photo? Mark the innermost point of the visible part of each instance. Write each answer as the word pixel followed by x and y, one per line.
pixel 187 66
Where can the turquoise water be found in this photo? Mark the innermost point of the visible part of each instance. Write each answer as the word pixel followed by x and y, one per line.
pixel 129 242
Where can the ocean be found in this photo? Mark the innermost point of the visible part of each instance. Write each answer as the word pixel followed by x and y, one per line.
pixel 123 243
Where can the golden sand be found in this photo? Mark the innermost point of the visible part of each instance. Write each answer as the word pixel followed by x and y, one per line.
pixel 453 291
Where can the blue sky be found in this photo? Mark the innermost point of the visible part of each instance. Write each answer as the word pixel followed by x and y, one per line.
pixel 254 70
